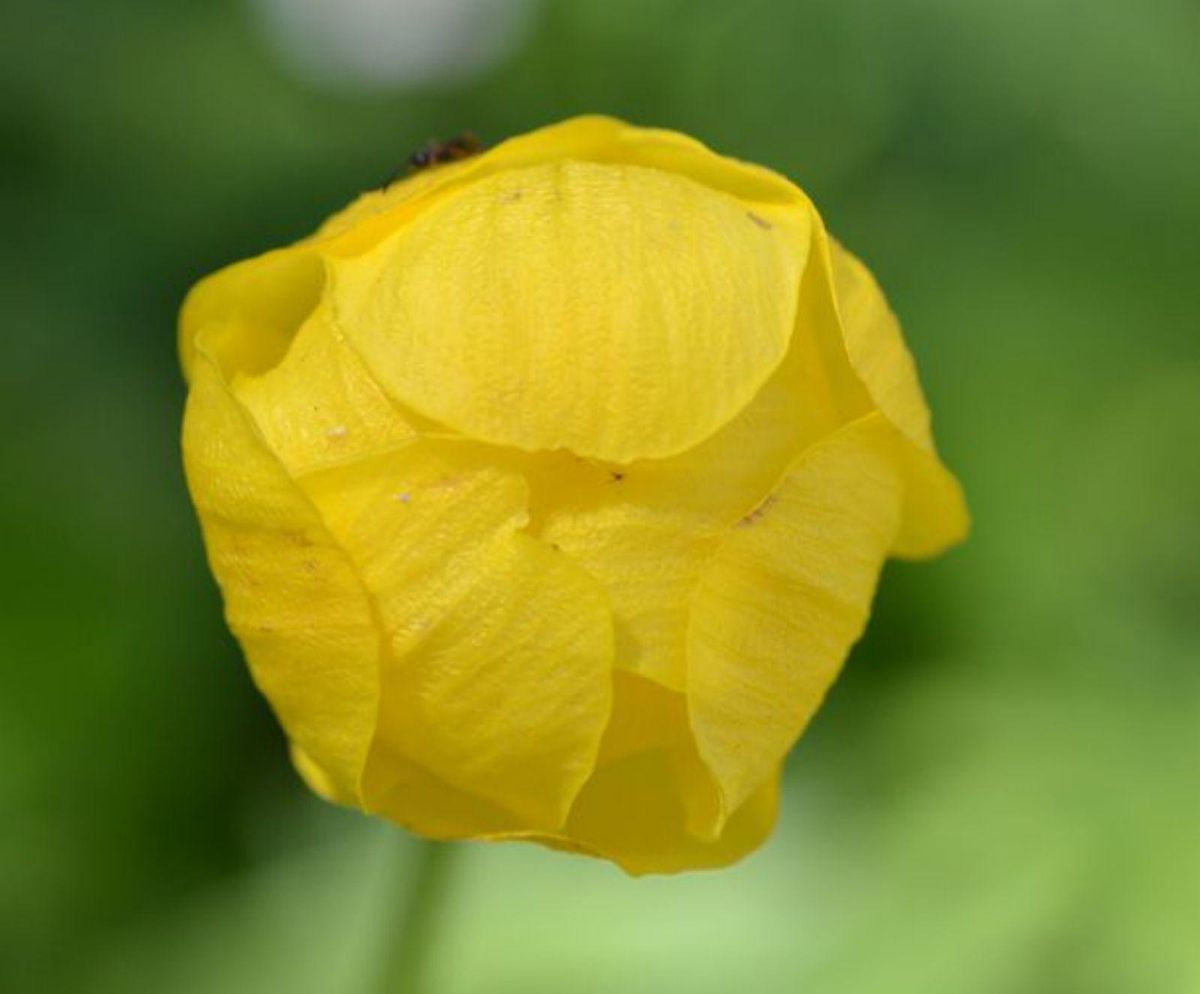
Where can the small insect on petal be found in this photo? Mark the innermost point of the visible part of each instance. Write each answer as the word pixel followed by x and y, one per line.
pixel 435 153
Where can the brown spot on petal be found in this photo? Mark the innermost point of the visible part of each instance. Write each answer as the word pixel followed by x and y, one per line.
pixel 758 512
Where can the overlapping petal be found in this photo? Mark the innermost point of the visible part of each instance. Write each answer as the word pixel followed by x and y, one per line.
pixel 248 312
pixel 646 530
pixel 498 649
pixel 292 596
pixel 637 808
pixel 319 407
pixel 776 610
pixel 495 650
pixel 640 308
pixel 935 513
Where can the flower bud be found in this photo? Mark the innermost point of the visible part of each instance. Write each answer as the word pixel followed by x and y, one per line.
pixel 547 489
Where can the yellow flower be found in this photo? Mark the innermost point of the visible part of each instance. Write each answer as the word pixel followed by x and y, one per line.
pixel 547 489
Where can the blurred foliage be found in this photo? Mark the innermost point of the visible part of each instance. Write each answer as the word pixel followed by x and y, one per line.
pixel 1002 794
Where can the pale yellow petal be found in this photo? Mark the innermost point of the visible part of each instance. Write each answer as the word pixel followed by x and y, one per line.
pixel 788 593
pixel 615 311
pixel 292 598
pixel 496 676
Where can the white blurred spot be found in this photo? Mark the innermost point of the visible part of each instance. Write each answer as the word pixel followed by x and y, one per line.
pixel 377 44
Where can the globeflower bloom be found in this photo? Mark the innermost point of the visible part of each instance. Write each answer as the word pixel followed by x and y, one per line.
pixel 548 489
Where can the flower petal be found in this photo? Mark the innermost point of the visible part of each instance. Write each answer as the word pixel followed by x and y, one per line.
pixel 632 814
pixel 318 407
pixel 876 349
pixel 646 530
pixel 638 807
pixel 496 672
pixel 935 513
pixel 292 598
pixel 248 312
pixel 935 509
pixel 590 138
pixel 615 311
pixel 496 649
pixel 787 594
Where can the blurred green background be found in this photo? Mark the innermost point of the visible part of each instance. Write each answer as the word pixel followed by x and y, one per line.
pixel 1003 792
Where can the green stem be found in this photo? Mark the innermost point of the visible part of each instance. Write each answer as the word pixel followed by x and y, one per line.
pixel 408 944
